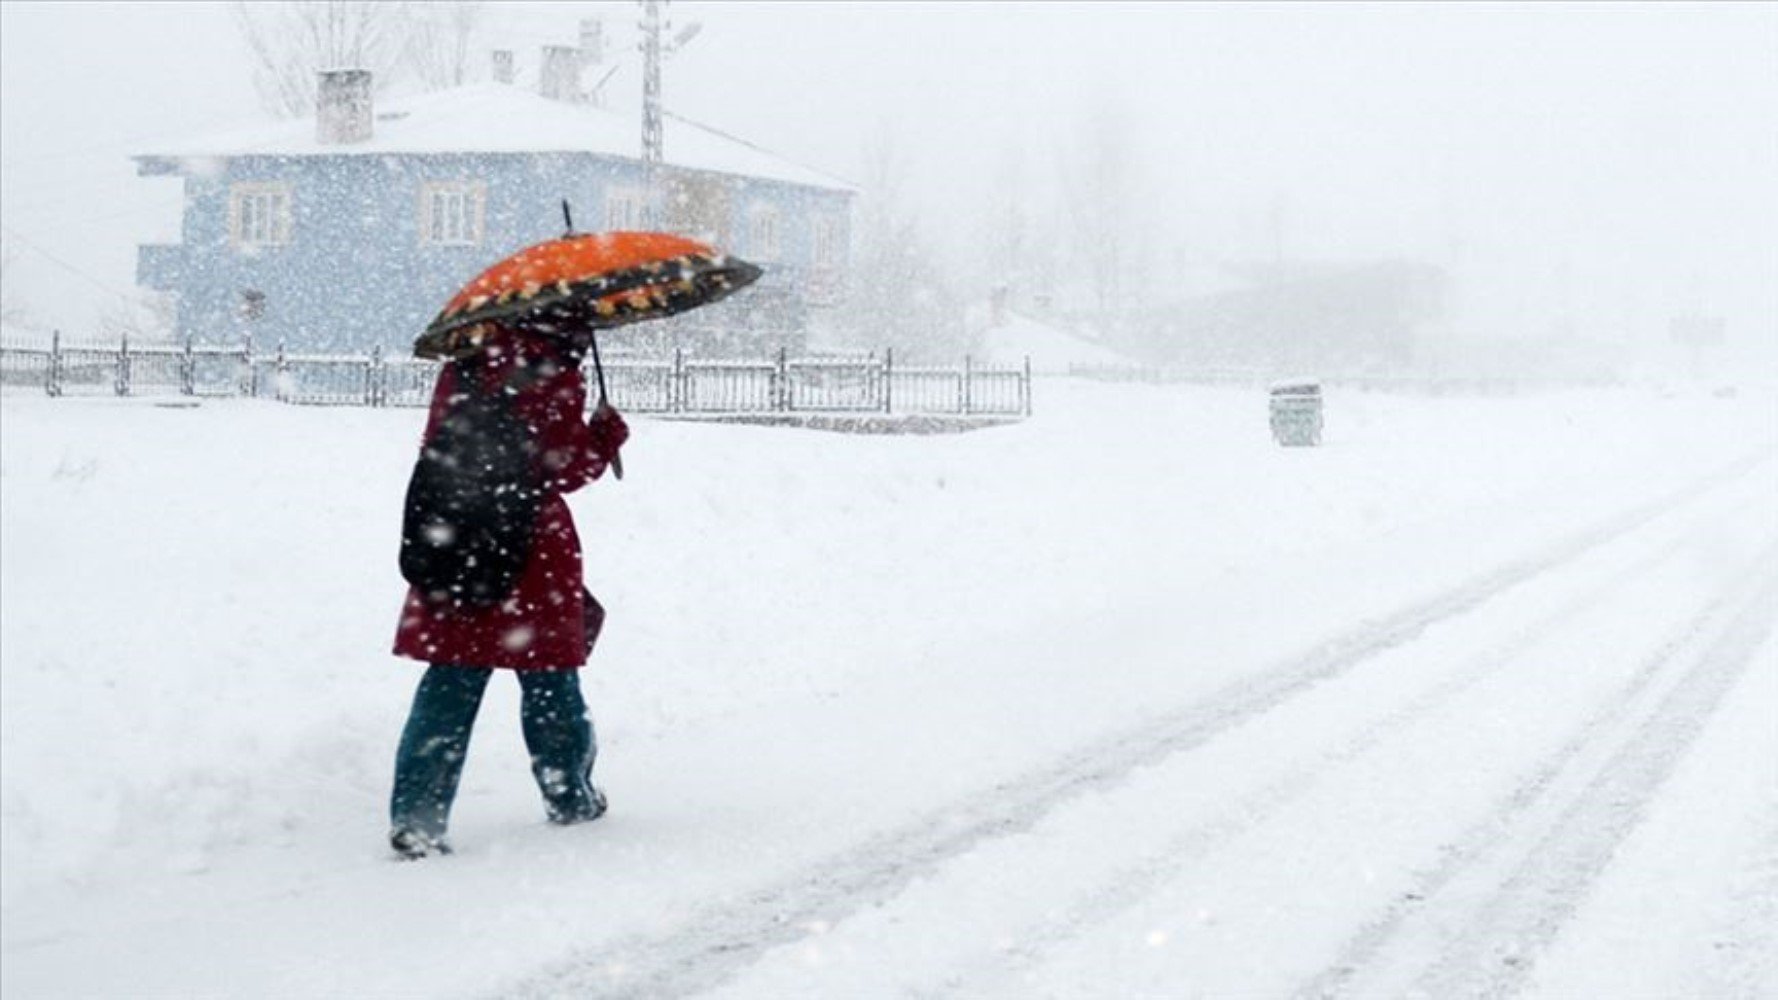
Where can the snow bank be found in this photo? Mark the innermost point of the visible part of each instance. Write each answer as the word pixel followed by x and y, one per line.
pixel 1052 350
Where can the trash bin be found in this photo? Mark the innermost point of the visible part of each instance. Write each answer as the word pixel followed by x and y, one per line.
pixel 1296 412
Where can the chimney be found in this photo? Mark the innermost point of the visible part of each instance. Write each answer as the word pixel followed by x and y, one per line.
pixel 503 66
pixel 592 60
pixel 592 41
pixel 559 77
pixel 342 107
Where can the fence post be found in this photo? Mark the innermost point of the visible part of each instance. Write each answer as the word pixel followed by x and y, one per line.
pixel 52 384
pixel 676 383
pixel 188 371
pixel 281 376
pixel 249 378
pixel 888 380
pixel 968 378
pixel 782 377
pixel 372 368
pixel 1025 385
pixel 122 383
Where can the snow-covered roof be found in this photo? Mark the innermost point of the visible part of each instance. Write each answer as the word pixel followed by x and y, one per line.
pixel 1050 349
pixel 503 118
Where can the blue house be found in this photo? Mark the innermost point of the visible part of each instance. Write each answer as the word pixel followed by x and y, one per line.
pixel 352 230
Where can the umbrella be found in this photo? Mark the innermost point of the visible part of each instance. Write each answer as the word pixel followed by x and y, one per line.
pixel 582 283
pixel 587 281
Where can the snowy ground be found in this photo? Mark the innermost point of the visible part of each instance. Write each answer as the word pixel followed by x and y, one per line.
pixel 1481 698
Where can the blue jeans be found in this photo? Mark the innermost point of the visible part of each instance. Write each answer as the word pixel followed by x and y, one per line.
pixel 429 762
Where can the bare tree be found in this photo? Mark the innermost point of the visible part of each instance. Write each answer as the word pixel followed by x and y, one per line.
pixel 291 41
pixel 144 317
pixel 1008 237
pixel 440 40
pixel 899 297
pixel 1102 211
pixel 1023 236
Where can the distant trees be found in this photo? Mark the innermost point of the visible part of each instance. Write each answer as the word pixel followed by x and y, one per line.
pixel 440 41
pixel 290 42
pixel 144 317
pixel 1102 210
pixel 1066 226
pixel 899 296
pixel 1060 228
pixel 1018 248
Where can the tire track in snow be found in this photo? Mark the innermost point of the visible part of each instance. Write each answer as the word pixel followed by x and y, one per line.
pixel 1131 885
pixel 1573 836
pixel 724 938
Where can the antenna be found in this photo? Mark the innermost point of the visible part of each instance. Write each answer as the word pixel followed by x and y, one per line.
pixel 567 219
pixel 596 92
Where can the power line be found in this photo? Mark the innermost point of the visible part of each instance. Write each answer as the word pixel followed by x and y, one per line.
pixel 125 142
pixel 218 122
pixel 538 36
pixel 561 32
pixel 100 284
pixel 159 206
pixel 35 208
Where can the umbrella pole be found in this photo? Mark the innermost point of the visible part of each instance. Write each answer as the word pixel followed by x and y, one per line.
pixel 598 369
pixel 617 462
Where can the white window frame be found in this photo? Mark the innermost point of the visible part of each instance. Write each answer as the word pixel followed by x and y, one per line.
pixel 625 208
pixel 259 214
pixel 764 229
pixel 453 213
pixel 824 243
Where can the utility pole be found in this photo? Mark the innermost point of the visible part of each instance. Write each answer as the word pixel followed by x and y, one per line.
pixel 653 51
pixel 651 85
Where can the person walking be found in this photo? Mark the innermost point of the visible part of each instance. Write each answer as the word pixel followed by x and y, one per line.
pixel 538 621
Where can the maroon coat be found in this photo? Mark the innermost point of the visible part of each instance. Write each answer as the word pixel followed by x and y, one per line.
pixel 542 625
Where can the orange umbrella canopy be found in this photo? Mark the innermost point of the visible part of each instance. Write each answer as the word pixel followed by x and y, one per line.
pixel 590 281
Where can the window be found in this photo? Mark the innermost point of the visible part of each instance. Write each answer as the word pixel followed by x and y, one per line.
pixel 762 233
pixel 822 285
pixel 451 213
pixel 826 243
pixel 624 209
pixel 259 215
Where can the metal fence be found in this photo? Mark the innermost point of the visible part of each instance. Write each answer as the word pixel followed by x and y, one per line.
pixel 1422 383
pixel 642 385
pixel 125 369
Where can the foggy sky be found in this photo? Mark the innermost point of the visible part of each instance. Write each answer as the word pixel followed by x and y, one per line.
pixel 1611 164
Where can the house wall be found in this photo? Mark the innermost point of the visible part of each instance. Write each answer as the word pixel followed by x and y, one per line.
pixel 1356 320
pixel 356 273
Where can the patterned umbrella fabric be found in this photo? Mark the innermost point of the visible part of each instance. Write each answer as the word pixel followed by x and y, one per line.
pixel 582 282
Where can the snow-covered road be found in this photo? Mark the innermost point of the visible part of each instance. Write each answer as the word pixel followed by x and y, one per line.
pixel 1480 699
pixel 1302 825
